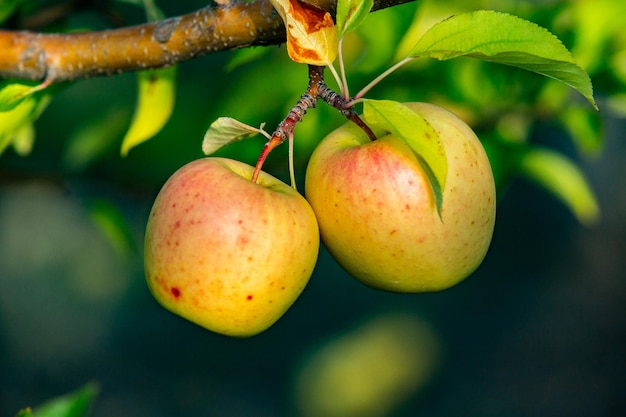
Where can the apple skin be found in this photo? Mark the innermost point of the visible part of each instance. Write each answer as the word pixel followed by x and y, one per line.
pixel 377 214
pixel 226 253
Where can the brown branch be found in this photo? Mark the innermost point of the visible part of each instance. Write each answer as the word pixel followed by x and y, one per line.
pixel 63 57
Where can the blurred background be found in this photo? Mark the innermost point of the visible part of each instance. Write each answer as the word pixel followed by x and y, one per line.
pixel 538 330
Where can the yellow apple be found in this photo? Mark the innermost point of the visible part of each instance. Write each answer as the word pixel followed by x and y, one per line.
pixel 377 213
pixel 226 253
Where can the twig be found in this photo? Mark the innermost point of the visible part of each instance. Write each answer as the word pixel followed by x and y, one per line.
pixel 317 89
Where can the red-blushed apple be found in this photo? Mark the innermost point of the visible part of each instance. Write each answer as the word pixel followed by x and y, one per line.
pixel 226 253
pixel 377 213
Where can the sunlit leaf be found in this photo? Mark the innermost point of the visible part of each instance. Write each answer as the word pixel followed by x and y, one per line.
pixel 505 39
pixel 311 33
pixel 12 93
pixel 75 404
pixel 562 178
pixel 226 130
pixel 155 103
pixel 421 137
pixel 584 127
pixel 596 24
pixel 27 412
pixel 12 122
pixel 351 13
pixel 23 139
pixel 617 104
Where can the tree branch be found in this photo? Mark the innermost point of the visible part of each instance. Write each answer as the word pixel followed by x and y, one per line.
pixel 64 57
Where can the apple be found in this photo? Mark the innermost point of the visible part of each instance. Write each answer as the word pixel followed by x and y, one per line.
pixel 377 213
pixel 227 253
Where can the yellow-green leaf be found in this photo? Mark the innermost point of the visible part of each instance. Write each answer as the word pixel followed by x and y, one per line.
pixel 562 178
pixel 12 93
pixel 226 130
pixel 23 139
pixel 12 122
pixel 154 106
pixel 351 13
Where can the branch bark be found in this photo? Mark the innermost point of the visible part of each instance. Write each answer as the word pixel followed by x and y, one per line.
pixel 65 57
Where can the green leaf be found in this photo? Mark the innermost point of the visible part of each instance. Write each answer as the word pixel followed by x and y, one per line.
pixel 351 13
pixel 226 130
pixel 153 12
pixel 419 135
pixel 12 122
pixel 88 142
pixel 562 178
pixel 155 103
pixel 585 128
pixel 75 404
pixel 23 139
pixel 505 39
pixel 12 93
pixel 27 412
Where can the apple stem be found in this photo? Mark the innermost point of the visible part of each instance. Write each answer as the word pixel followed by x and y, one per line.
pixel 292 173
pixel 378 79
pixel 317 89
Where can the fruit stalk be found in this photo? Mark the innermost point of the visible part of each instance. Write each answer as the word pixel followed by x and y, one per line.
pixel 317 89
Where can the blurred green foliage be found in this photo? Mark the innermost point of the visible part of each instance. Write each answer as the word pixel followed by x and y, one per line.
pixel 505 106
pixel 76 404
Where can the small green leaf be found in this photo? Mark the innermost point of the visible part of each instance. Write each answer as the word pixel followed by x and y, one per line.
pixel 75 404
pixel 12 93
pixel 155 103
pixel 562 178
pixel 351 13
pixel 153 12
pixel 585 128
pixel 23 139
pixel 505 39
pixel 226 130
pixel 419 135
pixel 27 412
pixel 12 122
